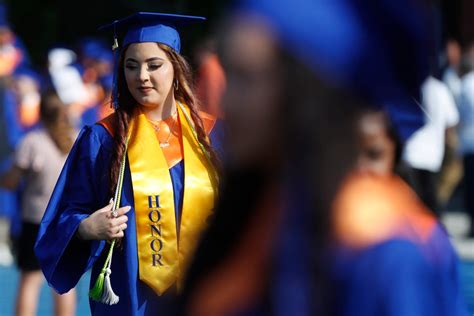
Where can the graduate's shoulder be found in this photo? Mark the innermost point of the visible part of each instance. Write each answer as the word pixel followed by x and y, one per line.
pixel 95 135
pixel 370 210
pixel 215 129
pixel 107 124
pixel 209 121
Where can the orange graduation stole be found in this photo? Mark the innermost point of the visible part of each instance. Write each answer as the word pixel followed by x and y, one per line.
pixel 163 254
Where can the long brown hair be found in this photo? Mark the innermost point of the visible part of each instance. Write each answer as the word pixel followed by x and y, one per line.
pixel 127 104
pixel 53 115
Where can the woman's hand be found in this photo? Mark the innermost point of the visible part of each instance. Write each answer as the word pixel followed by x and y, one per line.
pixel 103 225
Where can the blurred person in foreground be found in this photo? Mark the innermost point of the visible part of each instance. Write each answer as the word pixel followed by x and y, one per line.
pixel 306 224
pixel 38 160
pixel 210 78
pixel 466 133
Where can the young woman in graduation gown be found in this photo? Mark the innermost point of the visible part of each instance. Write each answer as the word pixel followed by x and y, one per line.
pixel 169 179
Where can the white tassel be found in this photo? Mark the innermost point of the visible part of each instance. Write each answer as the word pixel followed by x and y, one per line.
pixel 108 295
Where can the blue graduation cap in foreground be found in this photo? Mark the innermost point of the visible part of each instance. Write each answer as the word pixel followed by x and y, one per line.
pixel 152 27
pixel 144 27
pixel 379 50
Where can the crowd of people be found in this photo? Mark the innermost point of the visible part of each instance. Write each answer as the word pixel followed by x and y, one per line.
pixel 302 169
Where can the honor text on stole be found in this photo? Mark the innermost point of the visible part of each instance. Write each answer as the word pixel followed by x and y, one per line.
pixel 156 244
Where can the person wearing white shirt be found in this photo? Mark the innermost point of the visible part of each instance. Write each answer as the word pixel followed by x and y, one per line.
pixel 424 151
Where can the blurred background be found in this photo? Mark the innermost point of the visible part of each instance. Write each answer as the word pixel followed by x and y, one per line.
pixel 56 44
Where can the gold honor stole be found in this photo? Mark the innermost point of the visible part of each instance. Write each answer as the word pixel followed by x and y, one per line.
pixel 163 255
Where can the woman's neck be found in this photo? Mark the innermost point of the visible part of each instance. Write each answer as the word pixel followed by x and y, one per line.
pixel 161 112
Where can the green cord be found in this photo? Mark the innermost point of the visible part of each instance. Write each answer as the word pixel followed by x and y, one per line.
pixel 96 292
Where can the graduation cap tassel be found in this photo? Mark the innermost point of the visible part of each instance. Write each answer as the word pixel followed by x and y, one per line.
pixel 96 292
pixel 102 291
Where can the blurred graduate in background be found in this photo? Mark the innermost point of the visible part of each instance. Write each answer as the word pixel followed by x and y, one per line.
pixel 96 61
pixel 37 162
pixel 13 57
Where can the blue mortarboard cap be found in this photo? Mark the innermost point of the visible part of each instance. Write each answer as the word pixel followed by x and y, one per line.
pixel 27 72
pixel 377 49
pixel 144 27
pixel 152 27
pixel 95 49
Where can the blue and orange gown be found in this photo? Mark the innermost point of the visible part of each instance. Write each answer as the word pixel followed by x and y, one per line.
pixel 392 256
pixel 389 257
pixel 82 188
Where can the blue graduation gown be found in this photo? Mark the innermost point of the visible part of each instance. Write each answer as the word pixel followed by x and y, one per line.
pixel 399 277
pixel 82 188
pixel 391 278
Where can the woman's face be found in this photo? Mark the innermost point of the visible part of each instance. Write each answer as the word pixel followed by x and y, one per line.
pixel 377 151
pixel 149 74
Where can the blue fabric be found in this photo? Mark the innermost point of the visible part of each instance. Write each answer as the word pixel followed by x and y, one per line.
pixel 396 277
pixel 90 116
pixel 379 50
pixel 25 60
pixel 11 119
pixel 81 189
pixel 95 49
pixel 291 292
pixel 152 27
pixel 11 133
pixel 157 33
pixel 391 278
pixel 177 176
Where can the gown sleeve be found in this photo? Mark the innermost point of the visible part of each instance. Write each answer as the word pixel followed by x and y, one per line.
pixel 82 188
